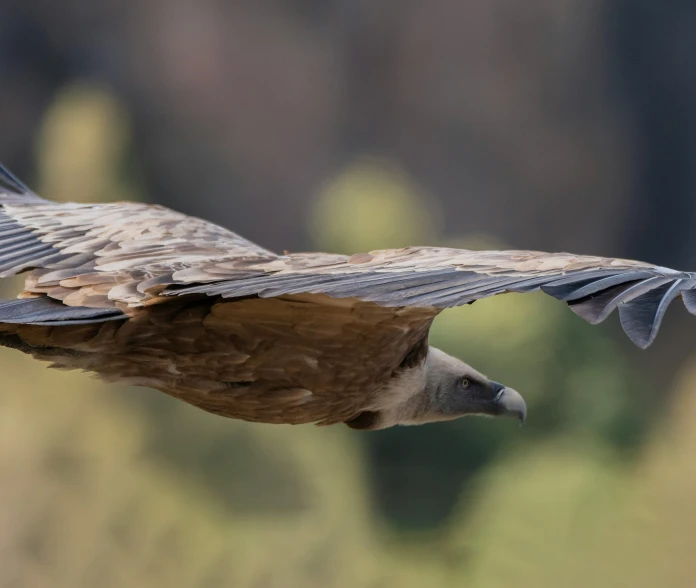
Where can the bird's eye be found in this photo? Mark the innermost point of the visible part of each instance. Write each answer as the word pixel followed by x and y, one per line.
pixel 465 383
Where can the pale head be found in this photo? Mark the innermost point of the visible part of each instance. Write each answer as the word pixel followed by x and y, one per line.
pixel 443 388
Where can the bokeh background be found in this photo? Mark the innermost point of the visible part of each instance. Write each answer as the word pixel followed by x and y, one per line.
pixel 347 125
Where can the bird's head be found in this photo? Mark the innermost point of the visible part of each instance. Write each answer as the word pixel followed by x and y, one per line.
pixel 441 389
pixel 453 389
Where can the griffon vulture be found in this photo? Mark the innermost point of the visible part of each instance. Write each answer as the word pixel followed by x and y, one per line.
pixel 143 295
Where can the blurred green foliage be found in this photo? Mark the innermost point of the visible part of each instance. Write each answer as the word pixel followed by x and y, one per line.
pixel 112 486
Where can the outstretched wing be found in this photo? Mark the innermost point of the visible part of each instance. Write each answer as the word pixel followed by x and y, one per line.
pixel 442 277
pixel 128 254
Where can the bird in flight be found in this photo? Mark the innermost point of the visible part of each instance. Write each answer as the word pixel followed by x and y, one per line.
pixel 143 295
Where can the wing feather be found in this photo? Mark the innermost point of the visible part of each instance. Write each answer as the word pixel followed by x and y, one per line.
pixel 642 316
pixel 689 297
pixel 49 312
pixel 13 190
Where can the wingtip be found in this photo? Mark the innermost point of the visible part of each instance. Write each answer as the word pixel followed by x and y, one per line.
pixel 689 298
pixel 593 314
pixel 641 318
pixel 9 180
pixel 13 189
pixel 642 341
pixel 640 329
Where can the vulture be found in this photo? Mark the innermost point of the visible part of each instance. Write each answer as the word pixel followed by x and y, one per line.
pixel 146 296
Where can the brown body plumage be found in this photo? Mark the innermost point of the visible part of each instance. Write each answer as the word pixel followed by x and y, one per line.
pixel 144 295
pixel 279 361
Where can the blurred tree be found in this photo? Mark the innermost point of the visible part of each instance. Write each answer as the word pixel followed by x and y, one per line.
pixel 82 147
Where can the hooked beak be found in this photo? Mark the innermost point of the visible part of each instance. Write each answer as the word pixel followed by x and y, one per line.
pixel 510 402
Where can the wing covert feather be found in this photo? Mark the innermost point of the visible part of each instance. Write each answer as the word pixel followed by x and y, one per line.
pixel 113 253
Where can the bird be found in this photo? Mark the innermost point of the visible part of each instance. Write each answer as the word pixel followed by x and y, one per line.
pixel 143 295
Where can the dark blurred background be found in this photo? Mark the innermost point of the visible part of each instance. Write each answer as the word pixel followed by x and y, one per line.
pixel 349 125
